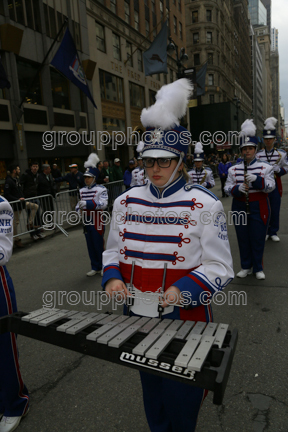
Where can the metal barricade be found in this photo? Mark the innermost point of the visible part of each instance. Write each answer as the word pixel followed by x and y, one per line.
pixel 114 190
pixel 32 214
pixel 65 203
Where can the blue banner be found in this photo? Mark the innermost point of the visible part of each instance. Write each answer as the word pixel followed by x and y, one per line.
pixel 155 58
pixel 200 80
pixel 67 62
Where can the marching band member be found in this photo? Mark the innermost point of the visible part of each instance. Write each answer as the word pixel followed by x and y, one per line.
pixel 139 168
pixel 199 174
pixel 161 224
pixel 223 167
pixel 278 159
pixel 14 397
pixel 93 199
pixel 250 193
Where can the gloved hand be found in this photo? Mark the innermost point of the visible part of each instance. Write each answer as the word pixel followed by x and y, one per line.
pixel 250 177
pixel 82 204
pixel 204 184
pixel 276 168
pixel 242 188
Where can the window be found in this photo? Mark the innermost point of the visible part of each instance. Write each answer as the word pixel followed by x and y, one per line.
pixel 180 31
pixel 113 6
pixel 111 87
pixel 195 38
pixel 127 12
pixel 210 58
pixel 60 90
pixel 116 47
pixel 153 6
pixel 26 72
pixel 210 79
pixel 2 12
pixel 208 15
pixel 168 20
pixel 100 37
pixel 175 24
pixel 209 37
pixel 211 98
pixel 171 75
pixel 139 60
pixel 136 20
pixel 36 13
pixel 161 9
pixel 129 54
pixel 165 78
pixel 194 16
pixel 17 13
pixel 137 96
pixel 52 20
pixel 147 28
pixel 179 5
pixel 196 59
pixel 154 33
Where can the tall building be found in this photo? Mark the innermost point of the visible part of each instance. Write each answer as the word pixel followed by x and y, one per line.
pixel 263 38
pixel 274 69
pixel 258 12
pixel 118 33
pixel 257 77
pixel 267 4
pixel 274 39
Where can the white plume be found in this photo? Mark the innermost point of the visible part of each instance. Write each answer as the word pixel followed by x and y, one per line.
pixel 248 128
pixel 198 148
pixel 140 146
pixel 270 123
pixel 92 161
pixel 170 106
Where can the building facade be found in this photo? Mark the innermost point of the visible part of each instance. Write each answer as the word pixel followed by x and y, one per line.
pixel 47 100
pixel 274 39
pixel 263 38
pixel 119 32
pixel 258 12
pixel 257 74
pixel 267 4
pixel 274 69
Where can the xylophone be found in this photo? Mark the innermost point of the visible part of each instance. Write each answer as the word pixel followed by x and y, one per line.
pixel 196 353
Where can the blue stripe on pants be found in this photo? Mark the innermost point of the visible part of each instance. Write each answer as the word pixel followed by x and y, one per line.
pixel 275 203
pixel 14 398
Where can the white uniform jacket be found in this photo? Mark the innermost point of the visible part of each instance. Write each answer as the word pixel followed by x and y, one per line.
pixel 277 158
pixel 183 227
pixel 203 176
pixel 141 179
pixel 134 176
pixel 6 231
pixel 93 199
pixel 264 183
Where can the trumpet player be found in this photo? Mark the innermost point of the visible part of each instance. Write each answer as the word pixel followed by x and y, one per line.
pixel 278 159
pixel 250 205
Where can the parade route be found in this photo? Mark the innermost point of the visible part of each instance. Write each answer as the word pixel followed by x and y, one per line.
pixel 71 392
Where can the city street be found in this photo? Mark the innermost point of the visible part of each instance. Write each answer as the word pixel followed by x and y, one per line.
pixel 71 392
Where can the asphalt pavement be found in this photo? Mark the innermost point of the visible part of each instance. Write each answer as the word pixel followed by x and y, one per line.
pixel 71 392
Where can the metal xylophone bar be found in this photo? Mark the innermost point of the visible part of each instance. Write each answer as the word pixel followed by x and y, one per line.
pixel 198 353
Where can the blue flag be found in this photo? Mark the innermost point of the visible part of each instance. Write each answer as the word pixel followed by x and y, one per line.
pixel 155 58
pixel 200 80
pixel 4 82
pixel 67 62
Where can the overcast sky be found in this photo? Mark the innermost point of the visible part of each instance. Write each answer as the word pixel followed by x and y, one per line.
pixel 279 21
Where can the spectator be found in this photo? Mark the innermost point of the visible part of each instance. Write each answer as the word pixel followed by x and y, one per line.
pixel 223 167
pixel 55 174
pixel 128 173
pixel 103 178
pixel 106 169
pixel 116 172
pixel 46 187
pixel 189 162
pixel 14 192
pixel 76 181
pixel 29 182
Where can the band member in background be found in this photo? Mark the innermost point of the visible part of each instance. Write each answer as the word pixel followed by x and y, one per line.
pixel 139 168
pixel 93 199
pixel 278 159
pixel 223 167
pixel 201 175
pixel 168 232
pixel 250 194
pixel 14 397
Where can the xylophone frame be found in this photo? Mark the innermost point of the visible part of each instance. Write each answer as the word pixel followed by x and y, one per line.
pixel 212 377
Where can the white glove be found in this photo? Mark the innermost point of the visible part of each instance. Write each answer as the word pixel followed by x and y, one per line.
pixel 242 188
pixel 204 184
pixel 276 168
pixel 82 204
pixel 251 177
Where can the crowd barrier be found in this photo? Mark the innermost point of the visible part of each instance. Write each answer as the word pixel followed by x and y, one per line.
pixel 29 215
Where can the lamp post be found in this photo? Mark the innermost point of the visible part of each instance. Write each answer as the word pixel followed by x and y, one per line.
pixel 180 58
pixel 237 103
